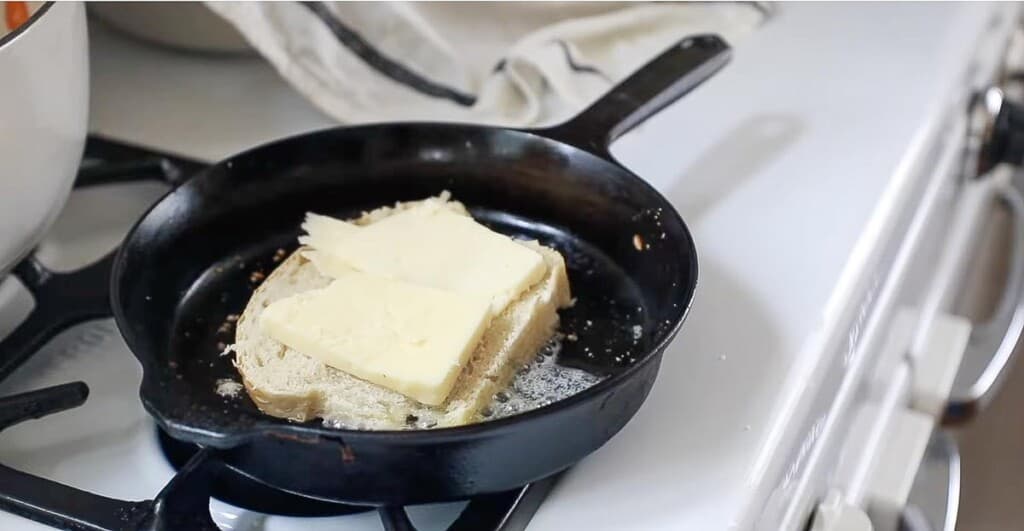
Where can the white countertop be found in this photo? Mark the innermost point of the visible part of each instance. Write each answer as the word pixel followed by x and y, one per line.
pixel 788 166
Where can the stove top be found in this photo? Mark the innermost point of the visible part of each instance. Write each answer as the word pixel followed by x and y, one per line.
pixel 792 168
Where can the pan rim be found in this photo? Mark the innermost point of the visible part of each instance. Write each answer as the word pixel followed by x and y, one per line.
pixel 267 425
pixel 12 35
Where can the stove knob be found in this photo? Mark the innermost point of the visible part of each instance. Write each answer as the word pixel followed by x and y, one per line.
pixel 1002 138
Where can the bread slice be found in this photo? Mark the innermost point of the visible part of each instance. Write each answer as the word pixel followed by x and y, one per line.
pixel 288 384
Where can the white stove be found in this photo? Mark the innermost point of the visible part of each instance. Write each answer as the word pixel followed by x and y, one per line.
pixel 822 173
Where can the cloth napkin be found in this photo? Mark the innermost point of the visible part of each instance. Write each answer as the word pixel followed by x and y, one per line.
pixel 513 64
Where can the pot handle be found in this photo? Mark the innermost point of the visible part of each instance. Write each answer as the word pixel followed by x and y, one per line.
pixel 61 300
pixel 660 82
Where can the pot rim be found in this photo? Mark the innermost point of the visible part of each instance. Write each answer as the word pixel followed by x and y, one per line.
pixel 11 36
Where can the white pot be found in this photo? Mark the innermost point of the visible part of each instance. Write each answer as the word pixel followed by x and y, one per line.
pixel 44 101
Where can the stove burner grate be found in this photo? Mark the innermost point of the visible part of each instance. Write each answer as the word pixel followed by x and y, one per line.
pixel 63 299
pixel 184 501
pixel 241 490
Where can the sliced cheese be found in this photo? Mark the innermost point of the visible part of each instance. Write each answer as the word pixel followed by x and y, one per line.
pixel 410 339
pixel 321 230
pixel 429 246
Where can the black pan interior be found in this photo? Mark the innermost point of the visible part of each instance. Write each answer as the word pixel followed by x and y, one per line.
pixel 195 258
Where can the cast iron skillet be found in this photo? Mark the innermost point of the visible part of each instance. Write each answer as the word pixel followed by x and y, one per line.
pixel 188 263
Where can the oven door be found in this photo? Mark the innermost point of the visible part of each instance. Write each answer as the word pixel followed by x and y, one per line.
pixel 985 283
pixel 898 468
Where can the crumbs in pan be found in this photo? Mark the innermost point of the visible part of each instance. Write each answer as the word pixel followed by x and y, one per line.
pixel 228 388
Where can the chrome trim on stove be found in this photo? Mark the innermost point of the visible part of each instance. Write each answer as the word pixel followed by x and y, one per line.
pixel 935 497
pixel 991 348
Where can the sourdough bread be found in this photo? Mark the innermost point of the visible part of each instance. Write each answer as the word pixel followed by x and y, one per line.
pixel 288 384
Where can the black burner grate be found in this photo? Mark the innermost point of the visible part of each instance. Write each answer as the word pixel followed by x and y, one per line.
pixel 182 504
pixel 241 490
pixel 63 299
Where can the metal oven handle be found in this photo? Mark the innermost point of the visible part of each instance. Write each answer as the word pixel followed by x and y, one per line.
pixel 991 346
pixel 935 497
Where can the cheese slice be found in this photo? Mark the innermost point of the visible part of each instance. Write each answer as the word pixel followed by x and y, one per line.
pixel 429 246
pixel 410 339
pixel 322 230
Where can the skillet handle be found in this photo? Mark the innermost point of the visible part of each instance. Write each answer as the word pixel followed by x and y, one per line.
pixel 61 300
pixel 660 82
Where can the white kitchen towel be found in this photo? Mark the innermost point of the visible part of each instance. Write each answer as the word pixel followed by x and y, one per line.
pixel 514 63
